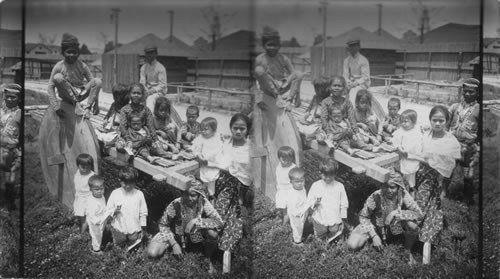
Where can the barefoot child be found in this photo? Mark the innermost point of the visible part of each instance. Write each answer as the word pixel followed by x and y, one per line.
pixel 366 121
pixel 129 221
pixel 408 140
pixel 393 120
pixel 96 212
pixel 166 129
pixel 329 201
pixel 110 130
pixel 85 164
pixel 191 128
pixel 286 156
pixel 297 207
pixel 208 148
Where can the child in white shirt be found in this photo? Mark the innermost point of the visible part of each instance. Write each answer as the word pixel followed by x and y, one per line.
pixel 130 209
pixel 208 148
pixel 329 201
pixel 408 140
pixel 85 164
pixel 96 212
pixel 286 155
pixel 297 207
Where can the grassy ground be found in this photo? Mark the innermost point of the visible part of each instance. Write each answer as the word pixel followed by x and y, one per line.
pixel 275 255
pixel 491 198
pixel 9 243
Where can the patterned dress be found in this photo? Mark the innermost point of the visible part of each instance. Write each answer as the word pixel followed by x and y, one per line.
pixel 428 199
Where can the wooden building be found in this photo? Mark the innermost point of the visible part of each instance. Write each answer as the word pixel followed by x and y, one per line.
pixel 172 53
pixel 380 50
pixel 10 54
pixel 444 55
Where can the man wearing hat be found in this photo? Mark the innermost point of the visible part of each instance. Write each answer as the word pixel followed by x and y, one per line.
pixel 356 68
pixel 464 124
pixel 274 71
pixel 73 80
pixel 10 152
pixel 393 211
pixel 153 76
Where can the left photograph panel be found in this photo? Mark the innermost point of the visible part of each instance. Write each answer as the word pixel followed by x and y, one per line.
pixel 11 94
pixel 136 138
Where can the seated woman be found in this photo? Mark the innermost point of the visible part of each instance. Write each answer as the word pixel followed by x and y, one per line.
pixel 188 219
pixel 366 120
pixel 394 212
pixel 109 132
pixel 166 129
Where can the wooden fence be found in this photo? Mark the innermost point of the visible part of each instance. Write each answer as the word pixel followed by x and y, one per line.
pixel 128 70
pixel 222 73
pixel 438 61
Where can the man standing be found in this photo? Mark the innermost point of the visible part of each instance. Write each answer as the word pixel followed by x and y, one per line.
pixel 464 125
pixel 153 76
pixel 356 69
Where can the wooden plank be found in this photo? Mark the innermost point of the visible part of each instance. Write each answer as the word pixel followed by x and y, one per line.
pixel 185 167
pixel 385 159
pixel 171 177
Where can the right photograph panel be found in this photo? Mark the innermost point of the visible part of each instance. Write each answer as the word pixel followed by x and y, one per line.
pixel 491 139
pixel 366 128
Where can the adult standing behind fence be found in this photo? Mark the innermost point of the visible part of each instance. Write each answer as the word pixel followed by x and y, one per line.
pixel 356 69
pixel 153 76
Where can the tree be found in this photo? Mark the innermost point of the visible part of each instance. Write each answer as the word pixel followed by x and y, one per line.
pixel 201 44
pixel 291 43
pixel 319 39
pixel 47 39
pixel 110 46
pixel 84 49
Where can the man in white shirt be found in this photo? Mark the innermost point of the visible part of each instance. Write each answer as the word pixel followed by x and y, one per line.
pixel 356 69
pixel 153 76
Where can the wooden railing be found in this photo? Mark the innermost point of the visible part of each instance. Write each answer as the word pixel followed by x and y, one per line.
pixel 388 81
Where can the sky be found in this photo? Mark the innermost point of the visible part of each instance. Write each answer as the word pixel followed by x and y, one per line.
pixel 491 18
pixel 11 14
pixel 90 20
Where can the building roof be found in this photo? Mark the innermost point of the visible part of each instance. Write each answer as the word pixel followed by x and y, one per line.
pixel 11 43
pixel 54 58
pixel 453 33
pixel 488 41
pixel 389 37
pixel 368 39
pixel 239 45
pixel 175 47
pixel 30 46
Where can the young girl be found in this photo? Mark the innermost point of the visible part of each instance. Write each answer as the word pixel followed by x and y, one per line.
pixel 85 164
pixel 208 149
pixel 440 150
pixel 166 129
pixel 407 139
pixel 110 130
pixel 233 183
pixel 329 201
pixel 366 121
pixel 129 205
pixel 286 155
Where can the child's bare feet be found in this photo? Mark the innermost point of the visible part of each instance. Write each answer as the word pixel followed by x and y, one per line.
pixel 412 260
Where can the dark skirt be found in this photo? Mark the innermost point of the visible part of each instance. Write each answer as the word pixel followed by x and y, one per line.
pixel 227 205
pixel 428 199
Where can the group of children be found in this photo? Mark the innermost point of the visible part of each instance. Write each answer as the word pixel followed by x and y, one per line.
pixel 126 209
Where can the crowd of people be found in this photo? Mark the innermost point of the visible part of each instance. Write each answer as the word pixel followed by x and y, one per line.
pixel 409 202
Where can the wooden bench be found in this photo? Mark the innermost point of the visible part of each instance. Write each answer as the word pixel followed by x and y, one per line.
pixel 174 175
pixel 375 168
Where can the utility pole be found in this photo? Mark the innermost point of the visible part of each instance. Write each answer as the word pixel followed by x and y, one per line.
pixel 379 31
pixel 171 13
pixel 115 17
pixel 324 5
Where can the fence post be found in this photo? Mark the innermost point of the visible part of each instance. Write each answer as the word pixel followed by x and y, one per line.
pixel 209 100
pixel 418 93
pixel 430 65
pixel 459 64
pixel 179 93
pixel 221 74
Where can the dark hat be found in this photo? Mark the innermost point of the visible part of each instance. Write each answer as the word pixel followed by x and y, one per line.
pixel 14 88
pixel 395 178
pixel 150 48
pixel 270 34
pixel 69 41
pixel 471 82
pixel 353 41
